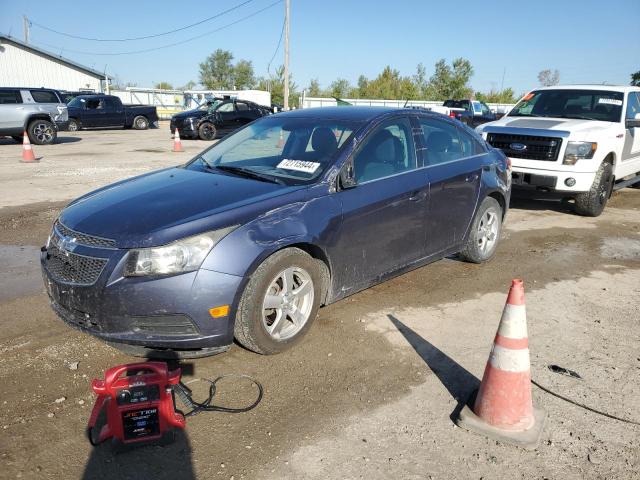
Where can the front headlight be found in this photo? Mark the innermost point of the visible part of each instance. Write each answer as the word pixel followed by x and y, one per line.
pixel 185 255
pixel 578 151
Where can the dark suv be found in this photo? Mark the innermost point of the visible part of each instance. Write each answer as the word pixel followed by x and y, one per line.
pixel 38 111
pixel 216 118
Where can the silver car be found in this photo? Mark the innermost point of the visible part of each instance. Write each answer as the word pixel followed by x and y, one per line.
pixel 38 111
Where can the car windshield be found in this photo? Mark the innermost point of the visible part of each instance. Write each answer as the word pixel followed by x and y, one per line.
pixel 583 104
pixel 286 150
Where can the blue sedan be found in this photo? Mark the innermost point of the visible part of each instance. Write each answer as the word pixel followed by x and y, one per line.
pixel 251 237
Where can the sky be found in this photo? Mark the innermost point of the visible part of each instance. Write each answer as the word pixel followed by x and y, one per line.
pixel 507 42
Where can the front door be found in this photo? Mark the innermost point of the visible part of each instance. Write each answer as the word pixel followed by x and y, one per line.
pixel 631 149
pixel 453 161
pixel 383 215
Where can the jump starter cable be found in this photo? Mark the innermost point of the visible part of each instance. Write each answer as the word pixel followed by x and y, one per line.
pixel 186 397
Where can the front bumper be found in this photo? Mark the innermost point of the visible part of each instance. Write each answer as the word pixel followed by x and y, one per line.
pixel 156 312
pixel 186 130
pixel 551 180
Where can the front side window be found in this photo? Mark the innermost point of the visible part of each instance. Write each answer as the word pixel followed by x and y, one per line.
pixel 292 150
pixel 633 105
pixel 444 142
pixel 387 151
pixel 44 96
pixel 581 104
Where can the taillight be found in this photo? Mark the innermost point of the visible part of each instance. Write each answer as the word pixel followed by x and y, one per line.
pixel 452 114
pixel 508 163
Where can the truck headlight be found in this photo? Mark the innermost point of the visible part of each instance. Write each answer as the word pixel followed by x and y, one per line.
pixel 578 151
pixel 184 255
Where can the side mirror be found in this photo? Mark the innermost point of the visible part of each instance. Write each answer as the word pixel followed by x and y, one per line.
pixel 347 177
pixel 633 122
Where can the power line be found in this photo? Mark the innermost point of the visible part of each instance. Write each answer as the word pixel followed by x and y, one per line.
pixel 277 47
pixel 170 44
pixel 146 36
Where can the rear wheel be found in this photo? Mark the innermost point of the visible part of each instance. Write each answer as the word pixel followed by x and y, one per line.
pixel 280 302
pixel 140 122
pixel 207 131
pixel 592 203
pixel 485 232
pixel 42 132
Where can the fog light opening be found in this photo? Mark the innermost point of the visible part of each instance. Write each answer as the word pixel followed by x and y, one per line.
pixel 570 182
pixel 218 312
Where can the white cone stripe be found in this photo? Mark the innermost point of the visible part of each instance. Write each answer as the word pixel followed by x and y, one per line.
pixel 27 146
pixel 514 322
pixel 510 360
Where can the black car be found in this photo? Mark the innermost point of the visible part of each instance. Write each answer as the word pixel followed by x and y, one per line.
pixel 216 118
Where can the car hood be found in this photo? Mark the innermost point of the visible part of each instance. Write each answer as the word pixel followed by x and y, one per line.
pixel 560 124
pixel 190 113
pixel 163 206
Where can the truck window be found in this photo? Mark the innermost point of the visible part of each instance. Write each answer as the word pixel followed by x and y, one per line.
pixel 44 96
pixel 477 108
pixel 112 103
pixel 94 104
pixel 633 105
pixel 10 96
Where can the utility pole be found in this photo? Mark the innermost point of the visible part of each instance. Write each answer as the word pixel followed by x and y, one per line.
pixel 286 54
pixel 25 27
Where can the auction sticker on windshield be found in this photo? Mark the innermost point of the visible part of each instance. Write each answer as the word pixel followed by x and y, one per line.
pixel 610 101
pixel 298 165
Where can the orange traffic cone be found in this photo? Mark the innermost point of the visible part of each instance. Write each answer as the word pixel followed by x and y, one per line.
pixel 280 143
pixel 177 144
pixel 503 407
pixel 27 152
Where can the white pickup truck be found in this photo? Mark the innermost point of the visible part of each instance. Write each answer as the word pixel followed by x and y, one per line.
pixel 578 141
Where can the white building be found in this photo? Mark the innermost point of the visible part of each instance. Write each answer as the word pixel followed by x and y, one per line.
pixel 24 65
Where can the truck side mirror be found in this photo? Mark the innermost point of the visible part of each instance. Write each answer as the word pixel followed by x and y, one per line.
pixel 347 177
pixel 633 122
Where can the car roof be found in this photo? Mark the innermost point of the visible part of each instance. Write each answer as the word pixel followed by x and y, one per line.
pixel 610 88
pixel 353 113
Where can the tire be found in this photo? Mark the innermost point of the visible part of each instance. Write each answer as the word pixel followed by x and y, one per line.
pixel 485 232
pixel 253 318
pixel 42 132
pixel 17 138
pixel 207 131
pixel 592 203
pixel 140 122
pixel 74 125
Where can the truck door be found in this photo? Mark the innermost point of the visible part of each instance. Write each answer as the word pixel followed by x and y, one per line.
pixel 114 112
pixel 631 149
pixel 454 172
pixel 94 113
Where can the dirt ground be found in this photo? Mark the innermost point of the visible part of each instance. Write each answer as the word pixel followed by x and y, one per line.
pixel 370 392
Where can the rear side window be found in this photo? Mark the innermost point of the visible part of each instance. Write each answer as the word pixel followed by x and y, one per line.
pixel 242 107
pixel 112 103
pixel 44 96
pixel 10 96
pixel 444 142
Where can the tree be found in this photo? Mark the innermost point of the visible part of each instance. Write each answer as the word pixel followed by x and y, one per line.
pixel 340 88
pixel 188 86
pixel 163 86
pixel 243 76
pixel 216 72
pixel 450 81
pixel 420 79
pixel 547 77
pixel 635 79
pixel 314 88
pixel 275 85
pixel 494 96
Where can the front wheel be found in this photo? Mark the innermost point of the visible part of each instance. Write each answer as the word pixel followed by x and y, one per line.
pixel 485 232
pixel 207 131
pixel 280 302
pixel 140 123
pixel 42 132
pixel 592 203
pixel 74 126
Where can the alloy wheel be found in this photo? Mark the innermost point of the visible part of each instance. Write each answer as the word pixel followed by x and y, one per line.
pixel 488 231
pixel 43 132
pixel 288 303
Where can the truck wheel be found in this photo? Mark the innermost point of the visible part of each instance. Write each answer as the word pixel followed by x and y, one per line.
pixel 42 132
pixel 280 302
pixel 207 131
pixel 74 126
pixel 485 232
pixel 140 122
pixel 592 203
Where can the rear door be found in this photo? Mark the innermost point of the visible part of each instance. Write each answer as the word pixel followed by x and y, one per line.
pixel 453 161
pixel 11 110
pixel 246 113
pixel 114 112
pixel 383 225
pixel 94 113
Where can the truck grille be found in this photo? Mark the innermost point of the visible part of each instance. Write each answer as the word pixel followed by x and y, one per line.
pixel 537 148
pixel 68 267
pixel 83 238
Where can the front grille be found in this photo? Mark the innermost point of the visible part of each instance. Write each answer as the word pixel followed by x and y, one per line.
pixel 83 238
pixel 537 148
pixel 68 267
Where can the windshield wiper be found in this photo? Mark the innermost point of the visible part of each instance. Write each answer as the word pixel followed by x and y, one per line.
pixel 248 173
pixel 578 117
pixel 206 162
